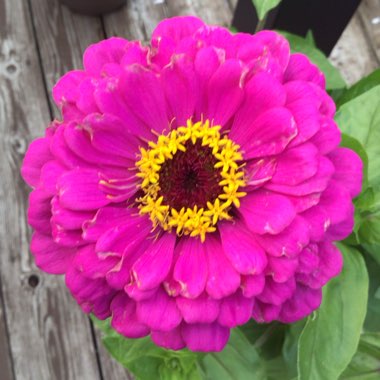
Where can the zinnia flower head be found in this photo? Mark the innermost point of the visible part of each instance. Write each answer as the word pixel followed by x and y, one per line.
pixel 192 185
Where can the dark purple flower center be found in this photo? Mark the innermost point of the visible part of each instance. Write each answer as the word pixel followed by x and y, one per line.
pixel 190 179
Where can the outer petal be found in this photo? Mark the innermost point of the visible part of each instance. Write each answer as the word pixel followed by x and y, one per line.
pixel 303 302
pixel 39 211
pixel 36 156
pixel 169 339
pixel 159 312
pixel 300 68
pixel 240 247
pixel 191 267
pixel 103 52
pixel 235 310
pixel 276 293
pixel 177 28
pixel 205 337
pixel 202 309
pixel 348 169
pixel 266 212
pixel 124 319
pixel 49 256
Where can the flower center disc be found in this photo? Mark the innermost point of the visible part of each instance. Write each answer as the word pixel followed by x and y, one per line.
pixel 191 178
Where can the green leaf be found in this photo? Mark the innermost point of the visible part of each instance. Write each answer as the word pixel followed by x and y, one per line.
pixel 267 338
pixel 365 365
pixel 359 88
pixel 264 6
pixel 304 45
pixel 146 360
pixel 290 347
pixel 372 319
pixel 331 335
pixel 352 143
pixel 360 118
pixel 238 361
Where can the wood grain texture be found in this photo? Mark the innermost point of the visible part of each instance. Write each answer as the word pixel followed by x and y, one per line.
pixel 5 355
pixel 369 12
pixel 353 55
pixel 62 39
pixel 138 18
pixel 49 337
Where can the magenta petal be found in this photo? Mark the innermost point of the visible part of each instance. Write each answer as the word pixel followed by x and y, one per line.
pixel 111 135
pixel 348 169
pixel 315 184
pixel 328 136
pixel 205 337
pixel 235 310
pixel 300 68
pixel 262 93
pixel 281 268
pixel 137 294
pixel 79 190
pixel 68 219
pixel 177 28
pixel 39 212
pixel 223 279
pixel 93 265
pixel 36 156
pixel 289 242
pixel 263 312
pixel 106 51
pixel 224 93
pixel 144 95
pixel 179 78
pixel 277 292
pixel 343 229
pixel 336 201
pixel 258 172
pixel 159 312
pixel 118 238
pixel 241 248
pixel 124 319
pixel 252 285
pixel 104 219
pixel 50 173
pixel 171 340
pixel 202 309
pixel 269 134
pixel 191 267
pixel 296 165
pixel 66 89
pixel 266 212
pixel 153 266
pixel 49 256
pixel 303 302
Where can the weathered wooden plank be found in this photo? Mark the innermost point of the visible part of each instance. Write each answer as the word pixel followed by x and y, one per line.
pixel 49 338
pixel 353 54
pixel 139 18
pixel 62 41
pixel 5 357
pixel 369 12
pixel 62 38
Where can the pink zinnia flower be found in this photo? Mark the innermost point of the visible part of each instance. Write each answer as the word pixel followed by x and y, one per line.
pixel 193 184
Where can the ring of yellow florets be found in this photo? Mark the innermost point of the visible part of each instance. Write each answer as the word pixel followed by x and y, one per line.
pixel 190 221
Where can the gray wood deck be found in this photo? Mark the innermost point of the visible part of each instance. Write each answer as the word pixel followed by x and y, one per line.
pixel 43 334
